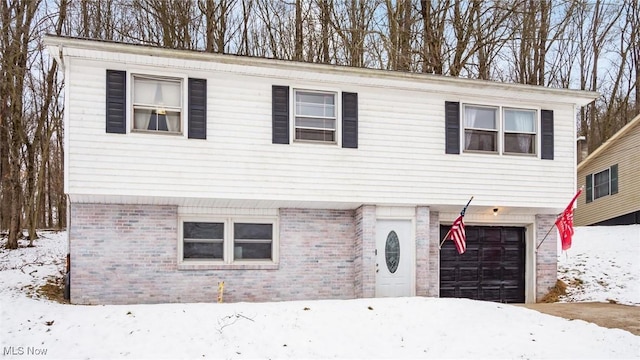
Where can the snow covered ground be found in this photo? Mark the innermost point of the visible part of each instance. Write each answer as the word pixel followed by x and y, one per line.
pixel 605 260
pixel 603 265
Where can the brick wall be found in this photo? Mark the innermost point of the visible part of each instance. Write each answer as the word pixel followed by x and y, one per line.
pixel 546 255
pixel 124 254
pixel 423 258
pixel 433 280
pixel 364 251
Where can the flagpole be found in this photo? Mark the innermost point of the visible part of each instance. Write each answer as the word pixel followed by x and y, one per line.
pixel 554 224
pixel 548 232
pixel 444 239
pixel 461 213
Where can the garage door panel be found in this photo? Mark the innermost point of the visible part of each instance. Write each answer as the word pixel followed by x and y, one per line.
pixel 491 254
pixel 511 273
pixel 468 274
pixel 449 292
pixel 490 293
pixel 470 292
pixel 448 274
pixel 491 269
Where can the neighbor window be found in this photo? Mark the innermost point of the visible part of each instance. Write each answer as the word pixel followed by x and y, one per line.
pixel 228 241
pixel 480 128
pixel 520 131
pixel 157 104
pixel 601 184
pixel 315 116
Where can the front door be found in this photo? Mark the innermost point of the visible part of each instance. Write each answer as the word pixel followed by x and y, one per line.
pixel 394 258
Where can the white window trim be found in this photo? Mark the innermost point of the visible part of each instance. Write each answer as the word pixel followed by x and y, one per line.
pixel 228 249
pixel 496 131
pixel 154 73
pixel 536 133
pixel 338 107
pixel 500 123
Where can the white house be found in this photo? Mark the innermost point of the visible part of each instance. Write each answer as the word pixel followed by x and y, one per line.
pixel 293 181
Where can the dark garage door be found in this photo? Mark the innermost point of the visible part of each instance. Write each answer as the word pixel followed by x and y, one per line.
pixel 491 269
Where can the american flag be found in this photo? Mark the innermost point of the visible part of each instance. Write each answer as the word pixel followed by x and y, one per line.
pixel 565 223
pixel 458 235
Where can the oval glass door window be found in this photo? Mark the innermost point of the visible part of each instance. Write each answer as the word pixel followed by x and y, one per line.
pixel 392 251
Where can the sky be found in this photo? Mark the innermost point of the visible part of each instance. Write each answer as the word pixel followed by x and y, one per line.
pixel 604 259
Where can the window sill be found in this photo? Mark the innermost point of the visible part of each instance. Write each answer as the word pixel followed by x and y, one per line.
pixel 158 132
pixel 520 154
pixel 211 266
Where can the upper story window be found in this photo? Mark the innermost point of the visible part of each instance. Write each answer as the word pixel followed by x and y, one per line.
pixel 520 131
pixel 480 128
pixel 500 130
pixel 157 104
pixel 315 116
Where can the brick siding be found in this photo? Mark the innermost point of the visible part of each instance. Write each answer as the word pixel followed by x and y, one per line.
pixel 122 254
pixel 546 255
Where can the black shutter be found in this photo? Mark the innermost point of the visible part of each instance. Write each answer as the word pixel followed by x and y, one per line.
pixel 546 130
pixel 614 179
pixel 116 104
pixel 280 114
pixel 197 108
pixel 350 120
pixel 452 127
pixel 589 183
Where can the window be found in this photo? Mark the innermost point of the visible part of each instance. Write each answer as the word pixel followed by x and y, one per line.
pixel 157 104
pixel 252 241
pixel 228 241
pixel 519 131
pixel 480 128
pixel 496 129
pixel 602 183
pixel 315 116
pixel 203 240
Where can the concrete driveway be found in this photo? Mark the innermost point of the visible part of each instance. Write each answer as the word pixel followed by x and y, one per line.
pixel 613 316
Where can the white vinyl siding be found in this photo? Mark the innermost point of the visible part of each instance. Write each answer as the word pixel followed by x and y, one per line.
pixel 400 157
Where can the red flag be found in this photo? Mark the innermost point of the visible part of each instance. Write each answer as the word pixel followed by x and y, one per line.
pixel 458 235
pixel 564 222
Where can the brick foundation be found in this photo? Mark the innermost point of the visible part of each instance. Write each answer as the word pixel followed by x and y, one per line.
pixel 122 254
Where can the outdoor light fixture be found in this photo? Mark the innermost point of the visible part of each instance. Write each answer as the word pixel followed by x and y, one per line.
pixel 495 211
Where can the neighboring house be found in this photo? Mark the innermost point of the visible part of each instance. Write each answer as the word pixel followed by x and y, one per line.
pixel 611 177
pixel 293 181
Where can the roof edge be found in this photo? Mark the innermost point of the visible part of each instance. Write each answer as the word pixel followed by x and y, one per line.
pixel 625 129
pixel 580 97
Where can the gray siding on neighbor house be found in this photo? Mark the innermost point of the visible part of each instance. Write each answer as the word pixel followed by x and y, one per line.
pixel 625 152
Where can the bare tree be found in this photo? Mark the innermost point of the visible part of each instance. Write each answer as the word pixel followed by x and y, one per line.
pixel 17 23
